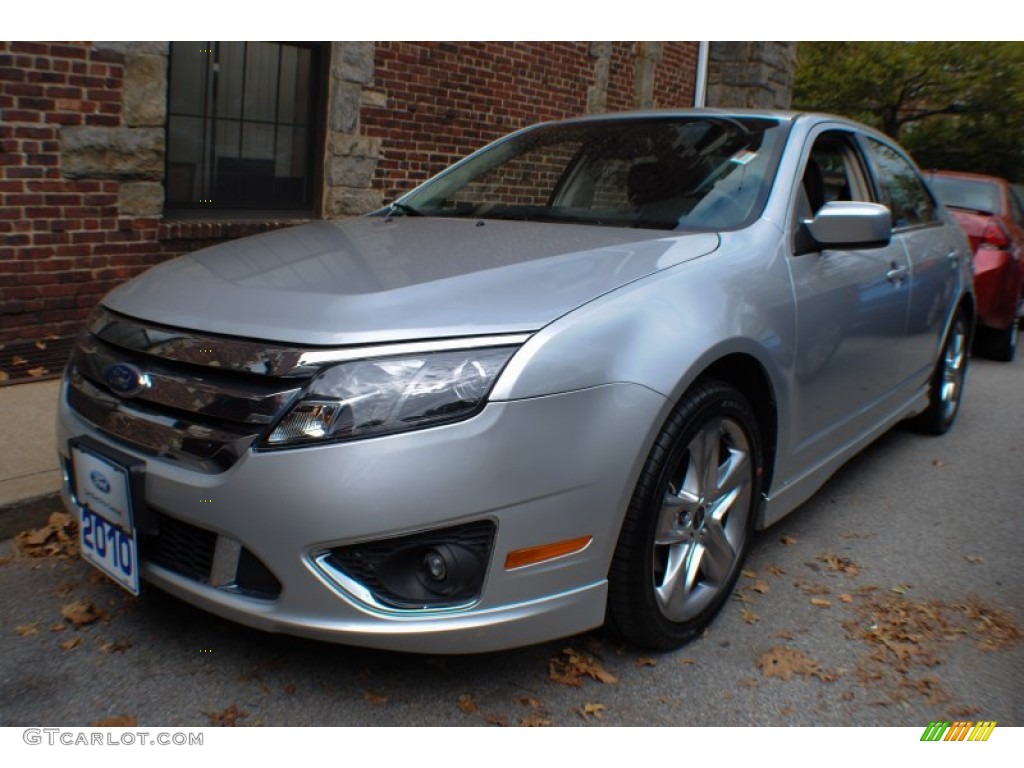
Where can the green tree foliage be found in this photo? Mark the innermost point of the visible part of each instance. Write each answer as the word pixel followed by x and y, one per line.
pixel 954 105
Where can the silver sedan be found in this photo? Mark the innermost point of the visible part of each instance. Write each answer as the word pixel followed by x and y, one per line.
pixel 559 385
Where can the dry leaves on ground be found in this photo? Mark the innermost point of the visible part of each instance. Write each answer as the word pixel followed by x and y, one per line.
pixel 775 570
pixel 785 663
pixel 25 630
pixel 58 538
pixel 536 720
pixel 788 541
pixel 226 718
pixel 646 661
pixel 117 721
pixel 749 616
pixel 811 589
pixel 996 628
pixel 591 710
pixel 761 586
pixel 377 698
pixel 82 612
pixel 70 643
pixel 839 564
pixel 821 602
pixel 572 666
pixel 466 704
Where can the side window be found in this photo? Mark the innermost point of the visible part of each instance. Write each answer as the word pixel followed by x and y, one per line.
pixel 901 188
pixel 1016 206
pixel 833 172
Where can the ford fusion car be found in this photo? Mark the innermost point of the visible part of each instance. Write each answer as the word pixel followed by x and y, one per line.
pixel 557 386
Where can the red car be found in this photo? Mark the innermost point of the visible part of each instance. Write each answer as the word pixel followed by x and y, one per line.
pixel 990 210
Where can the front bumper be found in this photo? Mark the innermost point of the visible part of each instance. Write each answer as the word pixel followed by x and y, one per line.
pixel 542 470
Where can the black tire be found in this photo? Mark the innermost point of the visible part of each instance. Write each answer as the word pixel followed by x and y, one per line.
pixel 1002 343
pixel 947 384
pixel 692 514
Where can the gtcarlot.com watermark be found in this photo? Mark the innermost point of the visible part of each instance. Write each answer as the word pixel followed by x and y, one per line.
pixel 70 737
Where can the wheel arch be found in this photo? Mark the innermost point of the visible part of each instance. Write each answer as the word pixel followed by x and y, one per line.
pixel 748 375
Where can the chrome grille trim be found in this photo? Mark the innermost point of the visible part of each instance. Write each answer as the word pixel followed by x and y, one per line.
pixel 262 357
pixel 195 392
pixel 203 448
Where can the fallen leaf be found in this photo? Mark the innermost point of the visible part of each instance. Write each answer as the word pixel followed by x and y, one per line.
pixel 811 589
pixel 774 570
pixel 846 598
pixel 64 590
pixel 782 662
pixel 761 586
pixel 82 612
pixel 839 564
pixel 376 698
pixel 646 661
pixel 749 574
pixel 938 463
pixel 749 616
pixel 574 665
pixel 788 541
pixel 4 376
pixel 58 538
pixel 38 371
pixel 226 718
pixel 974 559
pixel 40 345
pixel 24 630
pixel 748 682
pixel 466 704
pixel 687 660
pixel 591 710
pixel 71 642
pixel 117 721
pixel 535 721
pixel 783 634
pixel 119 646
pixel 58 627
pixel 787 711
pixel 899 589
pixel 532 703
pixel 848 695
pixel 18 360
pixel 499 720
pixel 820 602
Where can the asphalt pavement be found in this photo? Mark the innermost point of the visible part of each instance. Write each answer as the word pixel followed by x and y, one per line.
pixel 893 597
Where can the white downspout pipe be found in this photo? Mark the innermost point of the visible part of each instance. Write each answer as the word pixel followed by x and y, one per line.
pixel 701 86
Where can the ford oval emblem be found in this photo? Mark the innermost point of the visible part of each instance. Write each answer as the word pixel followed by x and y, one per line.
pixel 100 481
pixel 126 380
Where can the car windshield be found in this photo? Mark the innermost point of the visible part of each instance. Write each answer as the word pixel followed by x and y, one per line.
pixel 970 194
pixel 701 173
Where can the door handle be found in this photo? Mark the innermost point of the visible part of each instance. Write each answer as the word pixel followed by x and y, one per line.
pixel 896 274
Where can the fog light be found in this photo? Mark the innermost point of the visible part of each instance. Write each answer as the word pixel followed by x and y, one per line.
pixel 433 561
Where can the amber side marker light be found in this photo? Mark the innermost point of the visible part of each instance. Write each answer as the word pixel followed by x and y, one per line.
pixel 533 555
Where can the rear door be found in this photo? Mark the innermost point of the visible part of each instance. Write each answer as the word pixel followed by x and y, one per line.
pixel 933 247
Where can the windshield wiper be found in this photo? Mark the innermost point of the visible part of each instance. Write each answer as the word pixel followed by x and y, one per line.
pixel 403 208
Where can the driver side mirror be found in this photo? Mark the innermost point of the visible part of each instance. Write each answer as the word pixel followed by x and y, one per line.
pixel 846 225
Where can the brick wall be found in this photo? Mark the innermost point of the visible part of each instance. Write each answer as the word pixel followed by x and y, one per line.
pixel 445 100
pixel 82 143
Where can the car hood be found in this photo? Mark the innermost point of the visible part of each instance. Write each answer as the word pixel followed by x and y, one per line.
pixel 376 280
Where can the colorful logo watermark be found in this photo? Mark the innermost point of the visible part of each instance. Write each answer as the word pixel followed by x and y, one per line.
pixel 961 730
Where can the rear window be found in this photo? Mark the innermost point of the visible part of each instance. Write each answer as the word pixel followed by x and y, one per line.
pixel 971 194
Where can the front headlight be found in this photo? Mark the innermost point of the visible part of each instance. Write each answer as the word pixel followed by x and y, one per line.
pixel 367 398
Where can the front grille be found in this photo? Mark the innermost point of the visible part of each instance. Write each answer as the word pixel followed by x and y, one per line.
pixel 188 551
pixel 201 402
pixel 180 547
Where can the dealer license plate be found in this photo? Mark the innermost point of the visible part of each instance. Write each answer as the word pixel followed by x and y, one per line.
pixel 103 488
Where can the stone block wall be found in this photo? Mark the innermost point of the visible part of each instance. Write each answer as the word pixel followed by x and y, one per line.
pixel 758 75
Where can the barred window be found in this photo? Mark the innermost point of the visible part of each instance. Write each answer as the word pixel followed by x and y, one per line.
pixel 241 126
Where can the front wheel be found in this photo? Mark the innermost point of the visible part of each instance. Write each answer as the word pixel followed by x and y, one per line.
pixel 690 520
